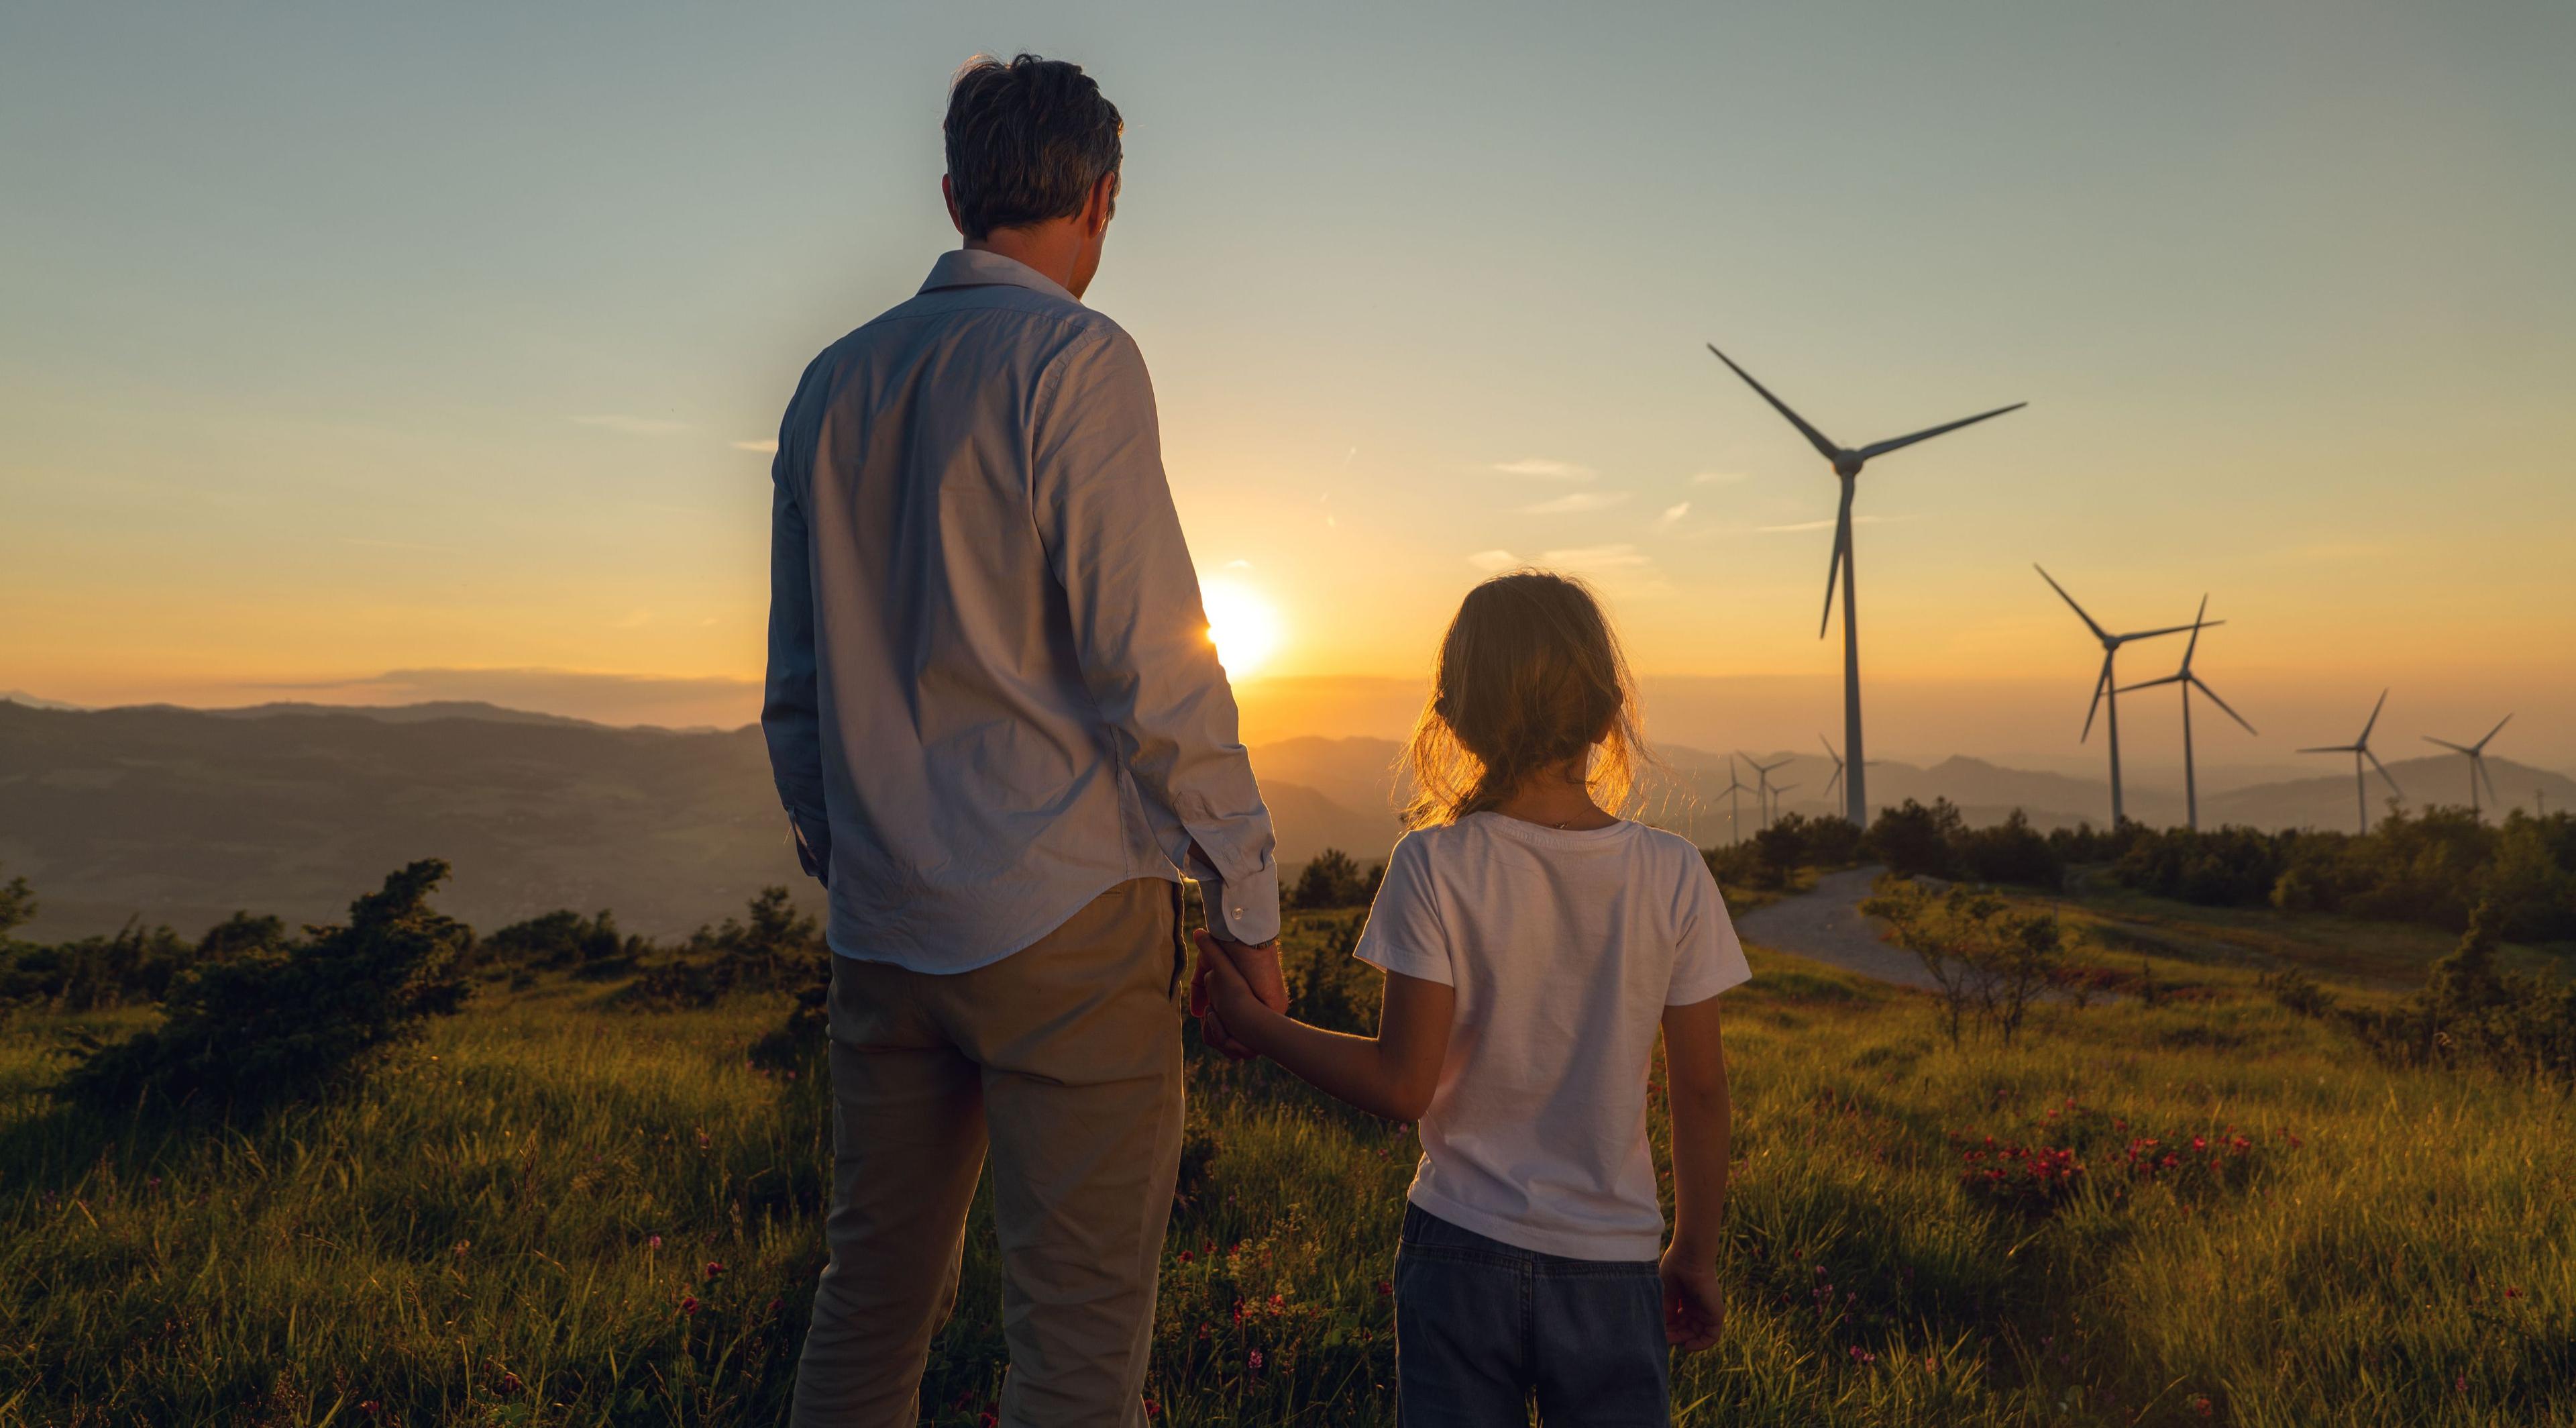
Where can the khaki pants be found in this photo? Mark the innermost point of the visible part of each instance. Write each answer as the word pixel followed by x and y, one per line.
pixel 1065 1059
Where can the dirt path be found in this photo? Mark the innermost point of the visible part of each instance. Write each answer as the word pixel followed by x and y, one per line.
pixel 1827 925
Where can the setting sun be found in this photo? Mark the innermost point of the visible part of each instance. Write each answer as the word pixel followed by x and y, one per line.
pixel 1244 627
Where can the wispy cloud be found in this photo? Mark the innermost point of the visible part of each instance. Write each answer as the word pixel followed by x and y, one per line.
pixel 1573 501
pixel 1545 468
pixel 1717 478
pixel 1828 524
pixel 1583 558
pixel 1671 514
pixel 633 425
pixel 1494 561
pixel 765 448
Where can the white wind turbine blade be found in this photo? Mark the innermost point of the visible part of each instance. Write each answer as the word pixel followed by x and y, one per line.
pixel 1893 443
pixel 2198 620
pixel 2454 748
pixel 2491 733
pixel 2479 761
pixel 2333 749
pixel 1815 438
pixel 2101 683
pixel 2364 740
pixel 2383 771
pixel 2098 632
pixel 1834 565
pixel 2213 698
pixel 2151 683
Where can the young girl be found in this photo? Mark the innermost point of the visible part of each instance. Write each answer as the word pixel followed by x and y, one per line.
pixel 1533 944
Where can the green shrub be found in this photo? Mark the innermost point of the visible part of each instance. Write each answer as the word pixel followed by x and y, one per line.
pixel 1332 880
pixel 2008 852
pixel 2472 1012
pixel 1916 841
pixel 1988 960
pixel 283 1023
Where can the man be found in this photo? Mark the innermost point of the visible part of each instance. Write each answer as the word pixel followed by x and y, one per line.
pixel 1002 734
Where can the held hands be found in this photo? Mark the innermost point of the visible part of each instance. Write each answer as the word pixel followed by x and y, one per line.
pixel 1694 1302
pixel 1233 986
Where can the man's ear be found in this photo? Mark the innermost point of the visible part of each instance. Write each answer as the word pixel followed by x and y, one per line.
pixel 1101 205
pixel 948 195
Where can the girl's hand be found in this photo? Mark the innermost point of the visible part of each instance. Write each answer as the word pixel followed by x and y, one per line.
pixel 1236 1004
pixel 1694 1302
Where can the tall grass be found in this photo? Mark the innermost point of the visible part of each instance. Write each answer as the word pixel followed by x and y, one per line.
pixel 515 1220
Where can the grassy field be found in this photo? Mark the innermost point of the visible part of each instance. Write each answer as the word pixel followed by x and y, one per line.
pixel 556 1210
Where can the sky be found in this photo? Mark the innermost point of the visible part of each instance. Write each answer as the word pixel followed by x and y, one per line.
pixel 379 353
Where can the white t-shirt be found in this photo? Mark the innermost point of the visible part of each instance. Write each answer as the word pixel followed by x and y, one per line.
pixel 1564 947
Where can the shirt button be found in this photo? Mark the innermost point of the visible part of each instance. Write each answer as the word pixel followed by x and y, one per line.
pixel 1238 912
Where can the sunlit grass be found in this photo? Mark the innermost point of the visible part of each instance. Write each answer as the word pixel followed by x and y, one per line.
pixel 472 1238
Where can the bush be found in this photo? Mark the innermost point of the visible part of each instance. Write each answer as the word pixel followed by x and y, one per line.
pixel 2473 1013
pixel 2009 852
pixel 1331 880
pixel 772 947
pixel 590 946
pixel 2230 867
pixel 1987 960
pixel 279 1023
pixel 1915 841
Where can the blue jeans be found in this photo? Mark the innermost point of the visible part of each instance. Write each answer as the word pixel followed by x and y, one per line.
pixel 1482 1327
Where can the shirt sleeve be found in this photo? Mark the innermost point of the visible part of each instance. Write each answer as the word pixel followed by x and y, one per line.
pixel 790 707
pixel 1114 539
pixel 1405 932
pixel 1708 959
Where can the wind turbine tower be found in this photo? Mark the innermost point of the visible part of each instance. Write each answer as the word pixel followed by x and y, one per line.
pixel 2477 753
pixel 2104 688
pixel 1777 794
pixel 1734 786
pixel 1847 463
pixel 2360 749
pixel 2189 682
pixel 1762 785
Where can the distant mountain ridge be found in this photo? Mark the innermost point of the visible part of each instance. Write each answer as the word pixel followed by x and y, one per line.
pixel 183 816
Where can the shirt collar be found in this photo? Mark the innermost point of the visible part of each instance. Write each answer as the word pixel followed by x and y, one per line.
pixel 976 267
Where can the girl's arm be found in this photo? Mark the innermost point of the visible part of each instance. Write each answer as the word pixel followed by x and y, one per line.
pixel 1392 1074
pixel 1695 1082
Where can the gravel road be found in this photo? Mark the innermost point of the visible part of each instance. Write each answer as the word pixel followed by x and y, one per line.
pixel 1827 925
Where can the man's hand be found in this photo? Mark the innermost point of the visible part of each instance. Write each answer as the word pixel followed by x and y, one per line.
pixel 1256 967
pixel 1694 1302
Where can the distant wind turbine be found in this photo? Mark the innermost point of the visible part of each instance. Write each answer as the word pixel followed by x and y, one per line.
pixel 2189 682
pixel 1776 795
pixel 1847 462
pixel 1762 782
pixel 2360 749
pixel 2477 753
pixel 1734 786
pixel 2104 688
pixel 1838 767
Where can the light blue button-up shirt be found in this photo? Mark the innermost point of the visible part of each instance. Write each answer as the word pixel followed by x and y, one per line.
pixel 991 692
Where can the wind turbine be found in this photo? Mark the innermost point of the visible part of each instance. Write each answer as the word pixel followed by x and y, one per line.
pixel 2190 681
pixel 2477 753
pixel 1847 462
pixel 1776 795
pixel 1762 789
pixel 2103 685
pixel 1734 786
pixel 1838 767
pixel 2360 749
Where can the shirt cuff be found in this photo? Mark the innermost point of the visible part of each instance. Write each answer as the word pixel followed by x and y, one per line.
pixel 813 839
pixel 1245 910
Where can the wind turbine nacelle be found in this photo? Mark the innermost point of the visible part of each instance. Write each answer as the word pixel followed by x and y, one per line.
pixel 1847 464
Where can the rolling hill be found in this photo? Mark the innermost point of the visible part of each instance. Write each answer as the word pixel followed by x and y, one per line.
pixel 183 816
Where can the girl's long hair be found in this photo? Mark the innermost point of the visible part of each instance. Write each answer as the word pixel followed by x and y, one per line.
pixel 1530 676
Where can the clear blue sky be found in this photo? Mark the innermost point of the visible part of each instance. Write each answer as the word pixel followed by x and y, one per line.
pixel 342 339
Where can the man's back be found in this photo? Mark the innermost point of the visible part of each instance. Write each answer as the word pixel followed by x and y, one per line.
pixel 993 697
